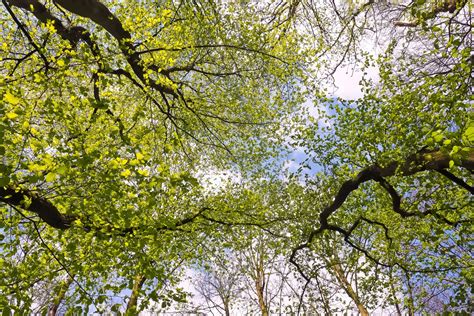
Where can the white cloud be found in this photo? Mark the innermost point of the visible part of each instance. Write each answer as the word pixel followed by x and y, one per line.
pixel 347 82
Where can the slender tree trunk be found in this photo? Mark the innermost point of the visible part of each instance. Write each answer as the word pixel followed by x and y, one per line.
pixel 410 302
pixel 260 287
pixel 61 293
pixel 132 302
pixel 346 285
pixel 226 307
pixel 327 309
pixel 394 294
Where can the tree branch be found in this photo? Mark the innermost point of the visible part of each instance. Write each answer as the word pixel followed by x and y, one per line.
pixel 456 180
pixel 101 15
pixel 434 160
pixel 34 203
pixel 25 32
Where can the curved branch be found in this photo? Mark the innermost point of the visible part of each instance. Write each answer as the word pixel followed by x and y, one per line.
pixel 424 161
pixel 72 34
pixel 434 160
pixel 101 15
pixel 446 6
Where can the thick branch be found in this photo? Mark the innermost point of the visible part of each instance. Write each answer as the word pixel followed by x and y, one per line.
pixel 424 161
pixel 446 6
pixel 72 34
pixel 34 203
pixel 457 180
pixel 101 15
pixel 48 213
pixel 347 287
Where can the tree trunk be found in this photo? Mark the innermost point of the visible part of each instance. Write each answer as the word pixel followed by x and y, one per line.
pixel 394 294
pixel 61 293
pixel 260 287
pixel 340 276
pixel 226 304
pixel 132 302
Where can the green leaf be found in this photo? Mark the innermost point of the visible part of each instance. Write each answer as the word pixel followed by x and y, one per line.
pixel 11 115
pixel 6 311
pixel 61 170
pixel 4 180
pixel 468 135
pixel 10 98
pixel 50 177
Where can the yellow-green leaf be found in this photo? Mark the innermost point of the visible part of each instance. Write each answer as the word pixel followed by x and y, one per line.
pixel 143 172
pixel 50 177
pixel 126 173
pixel 11 115
pixel 10 98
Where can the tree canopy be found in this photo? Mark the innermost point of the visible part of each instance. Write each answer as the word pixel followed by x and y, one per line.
pixel 140 141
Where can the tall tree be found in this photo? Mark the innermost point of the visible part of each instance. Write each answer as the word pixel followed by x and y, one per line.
pixel 112 112
pixel 398 162
pixel 109 110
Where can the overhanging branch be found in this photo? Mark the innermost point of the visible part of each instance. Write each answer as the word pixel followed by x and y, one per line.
pixel 434 160
pixel 34 203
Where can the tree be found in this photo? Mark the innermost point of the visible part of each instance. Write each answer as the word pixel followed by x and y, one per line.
pixel 112 110
pixel 218 283
pixel 108 111
pixel 405 152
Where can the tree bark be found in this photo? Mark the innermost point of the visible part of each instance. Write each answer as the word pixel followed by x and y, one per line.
pixel 62 290
pixel 346 285
pixel 132 302
pixel 260 288
pixel 34 203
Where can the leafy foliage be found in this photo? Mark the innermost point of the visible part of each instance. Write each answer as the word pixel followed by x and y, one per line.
pixel 118 119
